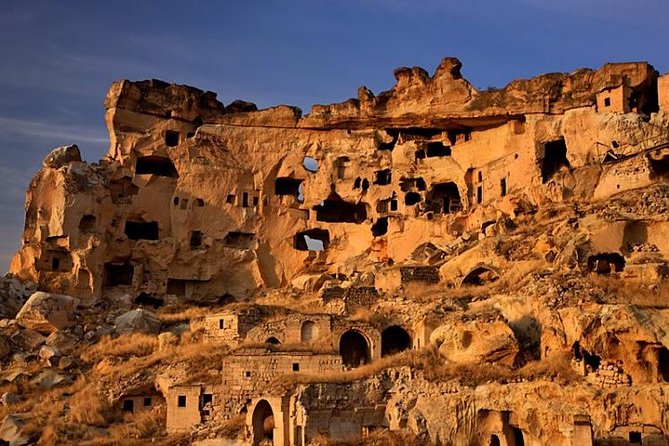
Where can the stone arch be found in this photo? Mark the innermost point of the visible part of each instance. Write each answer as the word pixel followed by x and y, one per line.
pixel 394 339
pixel 480 275
pixel 263 422
pixel 272 340
pixel 308 332
pixel 354 348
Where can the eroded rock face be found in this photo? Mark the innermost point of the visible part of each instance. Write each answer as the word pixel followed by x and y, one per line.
pixel 517 237
pixel 197 200
pixel 47 312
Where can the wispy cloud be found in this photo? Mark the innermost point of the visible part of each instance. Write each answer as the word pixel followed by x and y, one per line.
pixel 50 131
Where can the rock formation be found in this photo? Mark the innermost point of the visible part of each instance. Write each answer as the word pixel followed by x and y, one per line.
pixel 430 265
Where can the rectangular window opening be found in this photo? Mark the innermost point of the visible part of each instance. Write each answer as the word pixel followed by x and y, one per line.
pixel 181 401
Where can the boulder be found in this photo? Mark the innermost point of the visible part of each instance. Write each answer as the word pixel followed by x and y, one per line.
pixel 47 313
pixel 49 355
pixel 61 156
pixel 138 320
pixel 27 340
pixel 477 342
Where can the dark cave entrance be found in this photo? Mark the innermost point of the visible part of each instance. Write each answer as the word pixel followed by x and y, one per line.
pixel 555 158
pixel 354 349
pixel 394 339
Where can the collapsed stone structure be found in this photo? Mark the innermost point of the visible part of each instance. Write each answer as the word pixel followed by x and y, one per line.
pixel 362 206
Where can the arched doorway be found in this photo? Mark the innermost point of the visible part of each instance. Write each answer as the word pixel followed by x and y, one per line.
pixel 394 339
pixel 354 349
pixel 263 423
pixel 272 341
pixel 494 440
pixel 308 331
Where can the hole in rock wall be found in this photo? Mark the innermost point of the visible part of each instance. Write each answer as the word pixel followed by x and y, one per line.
pixel 195 239
pixel 502 187
pixel 437 149
pixel 148 300
pixel 128 406
pixel 480 276
pixel 581 354
pixel 230 199
pixel 241 240
pixel 354 349
pixel 659 164
pixel 87 224
pixel 635 437
pixel 117 274
pixel 663 363
pixel 380 227
pixel 287 186
pixel 335 210
pixel 176 287
pixel 141 230
pixel 606 263
pixel 312 240
pixel 310 164
pixel 518 436
pixel 444 197
pixel 155 165
pixel 412 198
pixel 382 177
pixel 494 440
pixel 408 184
pixel 365 185
pixel 172 138
pixel 554 160
pixel 394 339
pixel 199 202
pixel 272 341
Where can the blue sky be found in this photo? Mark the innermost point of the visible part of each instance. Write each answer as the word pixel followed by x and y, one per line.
pixel 59 58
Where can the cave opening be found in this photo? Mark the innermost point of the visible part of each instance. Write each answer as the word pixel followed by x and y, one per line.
pixel 354 349
pixel 118 274
pixel 606 263
pixel 380 227
pixel 155 165
pixel 480 276
pixel 554 160
pixel 312 240
pixel 444 197
pixel 287 186
pixel 335 210
pixel 141 230
pixel 382 177
pixel 394 339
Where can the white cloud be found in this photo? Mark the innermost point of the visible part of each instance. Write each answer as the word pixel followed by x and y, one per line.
pixel 44 130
